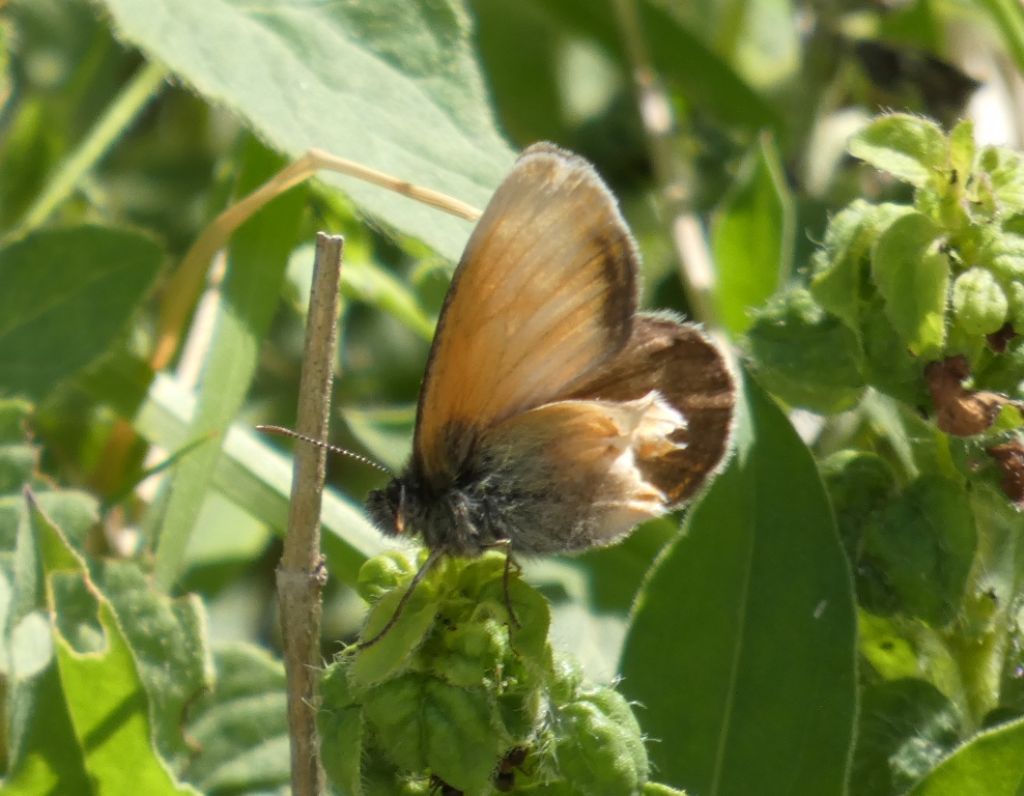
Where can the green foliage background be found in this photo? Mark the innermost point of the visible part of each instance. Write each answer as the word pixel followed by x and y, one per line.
pixel 840 613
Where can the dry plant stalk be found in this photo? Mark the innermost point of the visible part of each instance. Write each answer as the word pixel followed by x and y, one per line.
pixel 185 285
pixel 301 574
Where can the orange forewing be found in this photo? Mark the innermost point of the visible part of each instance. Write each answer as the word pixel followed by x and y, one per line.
pixel 545 294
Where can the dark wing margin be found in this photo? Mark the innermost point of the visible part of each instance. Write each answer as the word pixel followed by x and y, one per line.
pixel 691 372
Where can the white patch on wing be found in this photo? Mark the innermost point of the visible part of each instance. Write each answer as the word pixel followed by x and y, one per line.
pixel 645 429
pixel 593 449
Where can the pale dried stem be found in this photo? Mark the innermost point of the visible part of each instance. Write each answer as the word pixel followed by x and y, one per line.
pixel 301 573
pixel 183 289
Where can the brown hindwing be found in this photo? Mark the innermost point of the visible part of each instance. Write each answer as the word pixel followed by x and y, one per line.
pixel 680 362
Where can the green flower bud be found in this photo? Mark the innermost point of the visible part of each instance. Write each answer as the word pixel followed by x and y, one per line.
pixel 979 303
pixel 600 748
pixel 566 679
pixel 532 618
pixel 471 652
pixel 655 789
pixel 1002 252
pixel 382 573
pixel 1015 311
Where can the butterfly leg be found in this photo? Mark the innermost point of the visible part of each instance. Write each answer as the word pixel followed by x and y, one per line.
pixel 427 565
pixel 505 578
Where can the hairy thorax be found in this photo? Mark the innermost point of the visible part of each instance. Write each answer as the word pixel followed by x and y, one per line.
pixel 487 504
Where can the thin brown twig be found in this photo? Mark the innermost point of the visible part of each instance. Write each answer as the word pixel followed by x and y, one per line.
pixel 301 574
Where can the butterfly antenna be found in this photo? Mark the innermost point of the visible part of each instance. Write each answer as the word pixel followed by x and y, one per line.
pixel 417 579
pixel 287 432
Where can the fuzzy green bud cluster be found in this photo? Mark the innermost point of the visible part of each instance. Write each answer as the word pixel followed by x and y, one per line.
pixel 909 283
pixel 459 697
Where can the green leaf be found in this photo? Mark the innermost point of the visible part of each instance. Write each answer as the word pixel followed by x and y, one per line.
pixel 241 729
pixel 979 302
pixel 17 466
pixel 991 763
pixel 805 356
pixel 839 279
pixel 257 259
pixel 752 238
pixel 655 789
pixel 905 726
pixel 886 650
pixel 888 364
pixel 924 542
pixel 105 696
pixel 859 483
pixel 754 603
pixel 42 751
pixel 912 275
pixel 699 73
pixel 688 64
pixel 67 294
pixel 391 654
pixel 365 281
pixel 393 87
pixel 1005 170
pixel 168 640
pixel 910 148
pixel 425 723
pixel 386 433
pixel 44 756
pixel 340 723
pixel 250 472
pixel 962 150
pixel 1002 252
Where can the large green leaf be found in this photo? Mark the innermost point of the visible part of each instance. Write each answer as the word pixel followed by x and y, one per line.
pixel 992 763
pixel 241 728
pixel 104 694
pixel 753 238
pixel 741 647
pixel 168 640
pixel 42 753
pixel 391 85
pixel 908 147
pixel 67 294
pixel 679 55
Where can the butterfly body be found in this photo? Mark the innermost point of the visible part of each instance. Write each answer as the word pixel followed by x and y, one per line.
pixel 553 417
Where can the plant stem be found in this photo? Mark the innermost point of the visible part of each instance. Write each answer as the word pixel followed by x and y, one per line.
pixel 120 114
pixel 185 285
pixel 301 574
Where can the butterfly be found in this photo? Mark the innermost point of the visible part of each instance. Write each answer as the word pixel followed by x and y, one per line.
pixel 553 417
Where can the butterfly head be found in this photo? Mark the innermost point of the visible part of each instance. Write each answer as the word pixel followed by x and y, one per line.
pixel 389 509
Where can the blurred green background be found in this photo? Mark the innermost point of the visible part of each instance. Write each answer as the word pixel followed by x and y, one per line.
pixel 720 126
